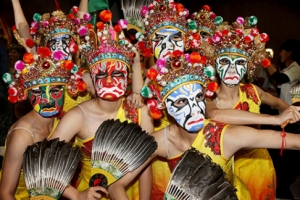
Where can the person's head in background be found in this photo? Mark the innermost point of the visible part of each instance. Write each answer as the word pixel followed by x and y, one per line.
pixel 290 52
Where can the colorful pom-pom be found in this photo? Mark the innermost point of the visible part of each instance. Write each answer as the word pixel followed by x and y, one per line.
pixel 209 71
pixel 176 54
pixel 117 28
pixel 264 37
pixel 152 73
pixel 240 21
pixel 12 91
pixel 179 7
pixel 13 99
pixel 152 104
pixel 82 30
pixel 58 55
pixel 100 25
pixel 81 86
pixel 105 15
pixel 212 86
pixel 75 69
pixel 123 23
pixel 206 7
pixel 146 92
pixel 75 9
pixel 77 21
pixel 192 25
pixel 266 63
pixel 254 32
pixel 218 20
pixel 203 59
pixel 32 30
pixel 147 52
pixel 68 65
pixel 252 20
pixel 37 17
pixel 195 57
pixel 155 113
pixel 71 16
pixel 73 48
pixel 87 16
pixel 144 11
pixel 161 64
pixel 29 43
pixel 28 58
pixel 44 52
pixel 19 65
pixel 7 78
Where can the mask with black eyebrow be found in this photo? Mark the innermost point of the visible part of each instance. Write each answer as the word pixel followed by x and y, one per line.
pixel 61 42
pixel 165 41
pixel 187 106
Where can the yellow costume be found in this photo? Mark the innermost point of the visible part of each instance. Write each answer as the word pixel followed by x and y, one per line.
pixel 209 141
pixel 86 145
pixel 21 191
pixel 254 167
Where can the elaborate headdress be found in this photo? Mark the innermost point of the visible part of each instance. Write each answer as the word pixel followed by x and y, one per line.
pixel 179 70
pixel 46 26
pixel 108 43
pixel 42 69
pixel 242 38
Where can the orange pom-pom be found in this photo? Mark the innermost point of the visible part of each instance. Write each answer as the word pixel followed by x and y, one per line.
pixel 212 86
pixel 266 63
pixel 81 86
pixel 29 43
pixel 12 99
pixel 195 57
pixel 100 25
pixel 28 58
pixel 117 28
pixel 68 64
pixel 105 15
pixel 206 7
pixel 155 113
pixel 152 73
pixel 44 52
pixel 90 26
pixel 179 7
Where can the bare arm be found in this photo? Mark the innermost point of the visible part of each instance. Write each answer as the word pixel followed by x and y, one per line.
pixel 83 8
pixel 242 137
pixel 16 144
pixel 241 117
pixel 21 24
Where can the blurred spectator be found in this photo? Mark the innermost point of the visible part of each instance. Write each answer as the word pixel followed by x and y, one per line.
pixel 289 56
pixel 15 52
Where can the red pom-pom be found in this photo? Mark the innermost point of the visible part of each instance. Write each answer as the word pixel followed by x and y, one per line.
pixel 155 114
pixel 44 52
pixel 68 64
pixel 141 45
pixel 179 7
pixel 29 43
pixel 105 15
pixel 12 99
pixel 12 91
pixel 100 25
pixel 254 32
pixel 264 37
pixel 206 7
pixel 32 30
pixel 152 73
pixel 81 86
pixel 14 28
pixel 266 63
pixel 247 39
pixel 225 32
pixel 195 57
pixel 28 58
pixel 73 48
pixel 90 26
pixel 117 28
pixel 212 86
pixel 203 59
pixel 71 16
pixel 196 36
pixel 147 52
pixel 75 9
pixel 176 54
pixel 152 104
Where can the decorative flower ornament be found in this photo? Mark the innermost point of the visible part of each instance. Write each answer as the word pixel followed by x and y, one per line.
pixel 242 38
pixel 178 70
pixel 42 69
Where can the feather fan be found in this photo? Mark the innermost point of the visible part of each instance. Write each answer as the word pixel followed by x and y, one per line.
pixel 197 177
pixel 49 167
pixel 118 148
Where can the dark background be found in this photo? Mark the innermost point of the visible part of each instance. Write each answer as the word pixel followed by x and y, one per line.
pixel 280 19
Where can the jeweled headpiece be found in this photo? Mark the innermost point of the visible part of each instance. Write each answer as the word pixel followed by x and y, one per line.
pixel 178 70
pixel 47 25
pixel 242 38
pixel 42 69
pixel 108 43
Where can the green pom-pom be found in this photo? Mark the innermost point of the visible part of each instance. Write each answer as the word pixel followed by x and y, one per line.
pixel 37 17
pixel 121 42
pixel 192 25
pixel 75 69
pixel 209 71
pixel 218 20
pixel 252 20
pixel 146 92
pixel 7 78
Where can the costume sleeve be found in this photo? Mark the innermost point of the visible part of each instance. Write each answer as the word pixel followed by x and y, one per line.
pixel 280 78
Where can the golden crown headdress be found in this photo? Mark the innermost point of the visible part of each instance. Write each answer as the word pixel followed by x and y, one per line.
pixel 47 25
pixel 41 69
pixel 178 70
pixel 107 43
pixel 242 38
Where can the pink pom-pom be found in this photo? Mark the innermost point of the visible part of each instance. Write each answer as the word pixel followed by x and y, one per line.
pixel 58 55
pixel 187 12
pixel 161 64
pixel 144 11
pixel 45 23
pixel 87 17
pixel 35 24
pixel 216 39
pixel 240 20
pixel 82 30
pixel 123 23
pixel 188 57
pixel 77 21
pixel 19 65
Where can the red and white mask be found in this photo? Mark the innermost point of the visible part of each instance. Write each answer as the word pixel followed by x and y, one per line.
pixel 110 79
